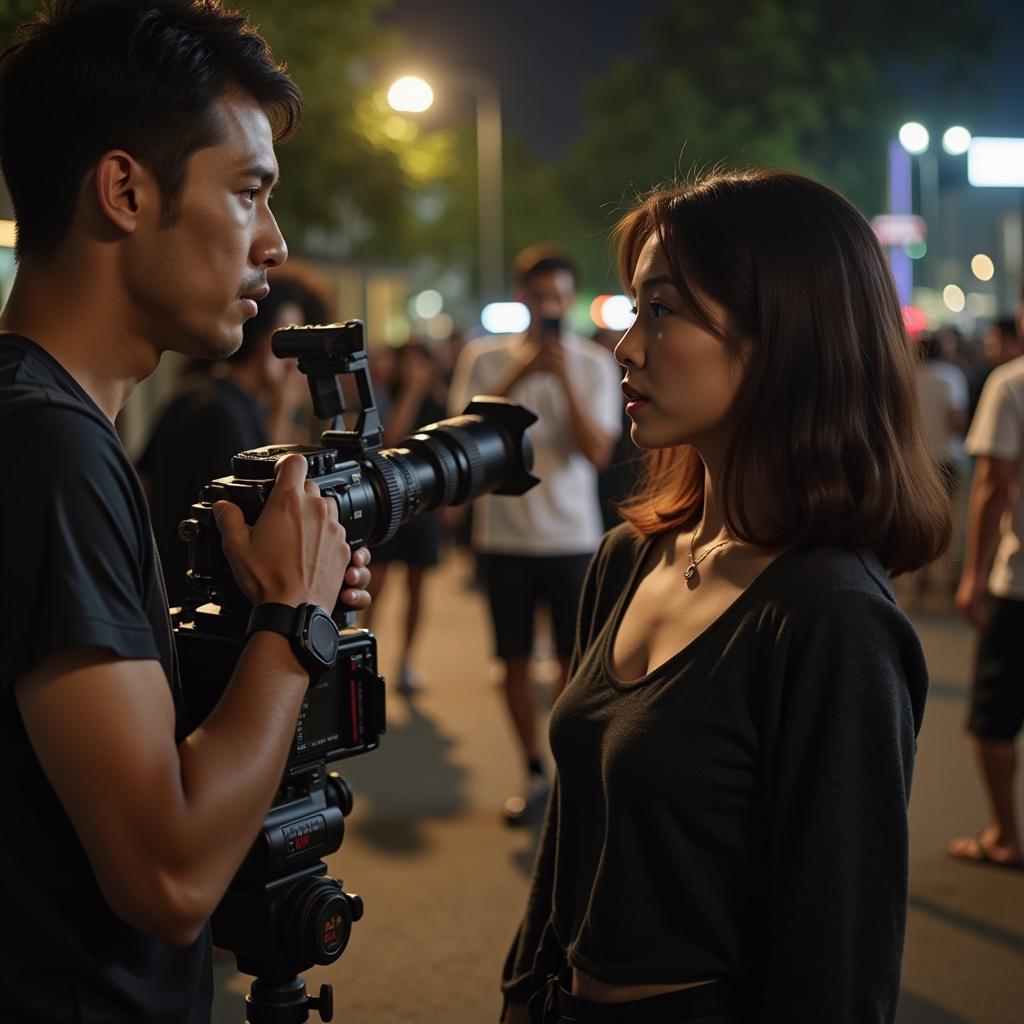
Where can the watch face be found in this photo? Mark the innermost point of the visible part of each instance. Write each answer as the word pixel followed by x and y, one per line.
pixel 323 637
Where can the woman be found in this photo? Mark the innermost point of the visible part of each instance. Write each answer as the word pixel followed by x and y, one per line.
pixel 727 841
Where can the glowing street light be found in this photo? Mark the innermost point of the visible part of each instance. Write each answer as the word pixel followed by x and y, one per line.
pixel 410 95
pixel 914 138
pixel 956 140
pixel 413 95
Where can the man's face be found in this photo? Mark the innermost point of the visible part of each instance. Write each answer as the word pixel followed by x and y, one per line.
pixel 548 295
pixel 196 282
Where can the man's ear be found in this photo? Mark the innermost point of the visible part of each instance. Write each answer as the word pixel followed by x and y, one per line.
pixel 125 190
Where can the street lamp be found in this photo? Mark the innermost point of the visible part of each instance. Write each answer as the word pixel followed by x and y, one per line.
pixel 914 138
pixel 412 94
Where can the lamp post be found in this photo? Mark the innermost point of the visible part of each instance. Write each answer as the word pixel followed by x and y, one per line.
pixel 413 95
pixel 915 141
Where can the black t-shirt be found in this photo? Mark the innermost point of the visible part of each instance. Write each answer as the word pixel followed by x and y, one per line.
pixel 740 812
pixel 78 570
pixel 203 426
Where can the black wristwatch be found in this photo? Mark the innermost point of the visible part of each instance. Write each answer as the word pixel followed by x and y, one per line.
pixel 312 633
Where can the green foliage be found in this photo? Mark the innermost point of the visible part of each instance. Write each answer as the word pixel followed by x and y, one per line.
pixel 797 84
pixel 342 179
pixel 343 174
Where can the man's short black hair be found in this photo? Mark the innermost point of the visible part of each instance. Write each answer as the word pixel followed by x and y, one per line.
pixel 543 258
pixel 84 77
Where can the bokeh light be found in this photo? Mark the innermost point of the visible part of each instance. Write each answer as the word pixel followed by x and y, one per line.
pixel 914 138
pixel 982 267
pixel 954 298
pixel 956 140
pixel 427 304
pixel 505 317
pixel 410 95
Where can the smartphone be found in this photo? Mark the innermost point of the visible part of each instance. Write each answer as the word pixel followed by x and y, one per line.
pixel 551 325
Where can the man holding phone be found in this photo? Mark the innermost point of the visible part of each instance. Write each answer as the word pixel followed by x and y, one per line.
pixel 537 547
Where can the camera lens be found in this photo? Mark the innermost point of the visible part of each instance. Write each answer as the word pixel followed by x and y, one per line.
pixel 485 450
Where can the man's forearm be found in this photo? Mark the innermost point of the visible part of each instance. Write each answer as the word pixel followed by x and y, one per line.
pixel 232 764
pixel 988 501
pixel 589 438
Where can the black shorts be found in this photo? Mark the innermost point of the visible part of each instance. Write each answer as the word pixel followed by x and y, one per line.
pixel 417 543
pixel 516 583
pixel 997 694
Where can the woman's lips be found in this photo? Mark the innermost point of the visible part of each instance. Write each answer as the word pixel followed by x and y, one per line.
pixel 635 401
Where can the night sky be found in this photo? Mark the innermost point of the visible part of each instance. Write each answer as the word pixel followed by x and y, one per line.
pixel 543 52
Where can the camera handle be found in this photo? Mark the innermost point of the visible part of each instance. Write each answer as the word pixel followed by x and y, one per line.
pixel 286 1002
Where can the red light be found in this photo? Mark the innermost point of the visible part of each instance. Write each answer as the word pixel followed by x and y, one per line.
pixel 915 320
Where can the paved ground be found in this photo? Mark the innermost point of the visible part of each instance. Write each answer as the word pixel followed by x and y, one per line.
pixel 444 882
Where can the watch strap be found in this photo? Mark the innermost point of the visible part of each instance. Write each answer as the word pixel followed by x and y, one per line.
pixel 279 618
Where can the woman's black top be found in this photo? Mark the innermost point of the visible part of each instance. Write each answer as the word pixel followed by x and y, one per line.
pixel 740 811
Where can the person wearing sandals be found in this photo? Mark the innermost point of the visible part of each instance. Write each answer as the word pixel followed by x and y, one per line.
pixel 726 839
pixel 991 598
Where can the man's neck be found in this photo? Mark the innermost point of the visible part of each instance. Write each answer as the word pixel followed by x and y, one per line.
pixel 83 331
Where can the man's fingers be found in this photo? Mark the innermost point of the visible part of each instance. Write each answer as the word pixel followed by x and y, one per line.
pixel 291 470
pixel 361 556
pixel 359 599
pixel 229 520
pixel 357 577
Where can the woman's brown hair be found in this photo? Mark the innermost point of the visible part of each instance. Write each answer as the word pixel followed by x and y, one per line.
pixel 826 418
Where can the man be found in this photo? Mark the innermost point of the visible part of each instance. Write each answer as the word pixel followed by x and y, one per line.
pixel 537 547
pixel 246 401
pixel 137 141
pixel 991 597
pixel 1002 343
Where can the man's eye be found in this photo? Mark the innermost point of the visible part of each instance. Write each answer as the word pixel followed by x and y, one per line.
pixel 251 194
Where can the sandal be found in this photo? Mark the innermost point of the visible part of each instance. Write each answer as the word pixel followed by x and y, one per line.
pixel 977 852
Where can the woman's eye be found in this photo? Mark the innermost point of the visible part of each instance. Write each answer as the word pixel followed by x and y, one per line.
pixel 658 310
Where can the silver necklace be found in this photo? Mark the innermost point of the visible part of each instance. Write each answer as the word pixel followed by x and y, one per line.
pixel 691 569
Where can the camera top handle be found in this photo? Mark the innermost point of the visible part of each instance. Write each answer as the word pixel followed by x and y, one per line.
pixel 324 353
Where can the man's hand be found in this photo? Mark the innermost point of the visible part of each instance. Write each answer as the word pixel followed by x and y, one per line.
pixel 970 599
pixel 541 357
pixel 296 552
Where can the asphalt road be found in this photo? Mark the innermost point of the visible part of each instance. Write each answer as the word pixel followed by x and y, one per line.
pixel 444 882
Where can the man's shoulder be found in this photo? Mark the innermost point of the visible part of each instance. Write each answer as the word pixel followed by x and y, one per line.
pixel 1009 376
pixel 35 416
pixel 60 450
pixel 495 346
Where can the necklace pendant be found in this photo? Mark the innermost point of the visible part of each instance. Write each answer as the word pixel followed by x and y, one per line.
pixel 690 570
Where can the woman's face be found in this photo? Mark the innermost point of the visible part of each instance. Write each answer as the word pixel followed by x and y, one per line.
pixel 680 379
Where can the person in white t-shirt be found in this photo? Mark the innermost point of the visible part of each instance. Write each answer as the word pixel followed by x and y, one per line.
pixel 536 547
pixel 991 597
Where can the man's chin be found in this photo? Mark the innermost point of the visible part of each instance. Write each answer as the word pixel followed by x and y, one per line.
pixel 218 346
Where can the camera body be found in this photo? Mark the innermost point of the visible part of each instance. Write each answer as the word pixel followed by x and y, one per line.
pixel 281 913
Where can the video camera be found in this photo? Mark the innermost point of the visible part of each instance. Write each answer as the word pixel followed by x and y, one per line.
pixel 281 913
